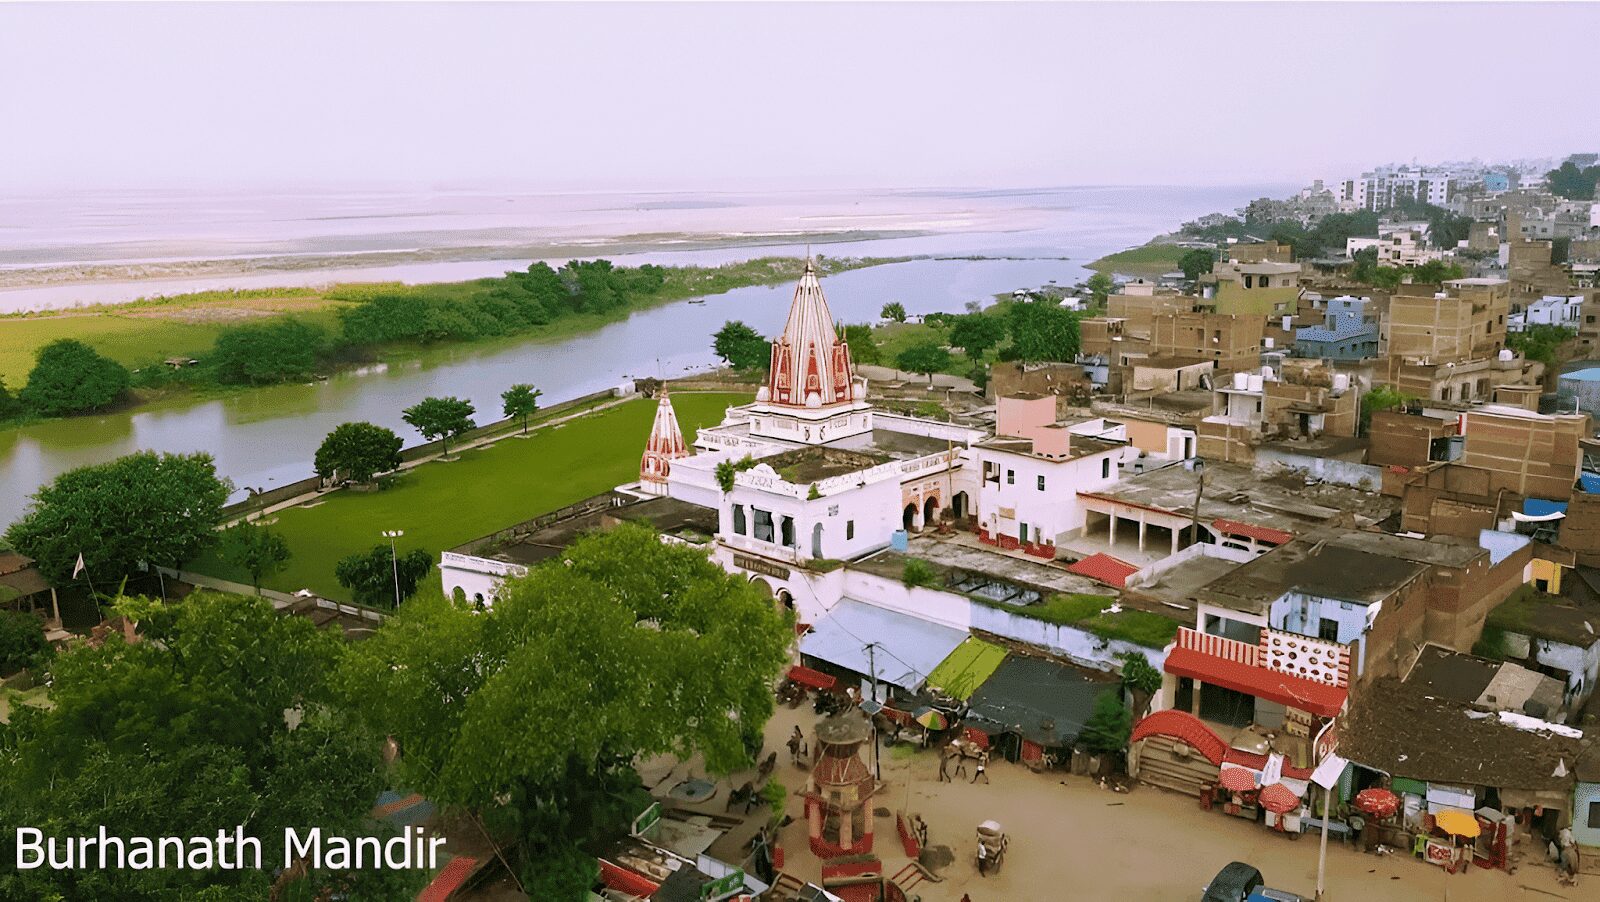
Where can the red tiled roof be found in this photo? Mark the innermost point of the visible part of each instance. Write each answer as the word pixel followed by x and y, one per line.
pixel 619 878
pixel 1257 762
pixel 1104 568
pixel 450 878
pixel 1183 726
pixel 1292 691
pixel 1251 531
pixel 805 676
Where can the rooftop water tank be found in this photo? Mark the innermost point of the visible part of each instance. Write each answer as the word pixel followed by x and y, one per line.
pixel 1506 354
pixel 1341 382
pixel 1241 381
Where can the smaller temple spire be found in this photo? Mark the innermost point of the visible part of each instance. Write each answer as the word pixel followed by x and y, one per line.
pixel 665 443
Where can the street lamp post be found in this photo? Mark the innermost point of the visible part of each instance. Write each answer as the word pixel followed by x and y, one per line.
pixel 394 561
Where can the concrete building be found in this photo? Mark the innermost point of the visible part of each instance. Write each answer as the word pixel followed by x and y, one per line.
pixel 1466 319
pixel 1565 311
pixel 1580 391
pixel 1345 334
pixel 1302 399
pixel 1251 288
pixel 1531 454
pixel 1231 342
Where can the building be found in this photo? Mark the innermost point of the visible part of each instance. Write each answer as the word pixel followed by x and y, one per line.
pixel 1397 248
pixel 1231 342
pixel 1302 399
pixel 1345 334
pixel 1466 319
pixel 1551 310
pixel 1530 454
pixel 1251 288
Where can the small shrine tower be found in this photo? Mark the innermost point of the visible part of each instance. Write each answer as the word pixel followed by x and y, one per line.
pixel 812 395
pixel 840 789
pixel 664 446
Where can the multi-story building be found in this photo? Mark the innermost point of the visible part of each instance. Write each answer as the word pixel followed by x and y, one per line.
pixel 1232 342
pixel 1466 319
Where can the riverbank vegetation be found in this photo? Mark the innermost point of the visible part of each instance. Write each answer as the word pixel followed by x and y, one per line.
pixel 443 504
pixel 1147 261
pixel 230 340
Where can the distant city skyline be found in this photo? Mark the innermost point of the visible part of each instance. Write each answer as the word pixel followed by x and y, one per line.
pixel 750 97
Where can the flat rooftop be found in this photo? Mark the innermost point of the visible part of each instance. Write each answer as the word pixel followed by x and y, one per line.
pixel 1315 565
pixel 899 445
pixel 813 464
pixel 1077 446
pixel 1284 501
pixel 669 516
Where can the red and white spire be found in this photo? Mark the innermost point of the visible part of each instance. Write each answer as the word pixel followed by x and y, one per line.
pixel 810 363
pixel 665 444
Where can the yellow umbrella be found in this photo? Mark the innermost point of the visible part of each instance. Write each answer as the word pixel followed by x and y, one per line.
pixel 1457 823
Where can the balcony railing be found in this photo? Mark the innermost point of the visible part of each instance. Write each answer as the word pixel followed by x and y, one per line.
pixel 1219 647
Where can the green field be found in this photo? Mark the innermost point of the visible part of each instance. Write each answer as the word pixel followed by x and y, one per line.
pixel 1148 260
pixel 444 504
pixel 131 341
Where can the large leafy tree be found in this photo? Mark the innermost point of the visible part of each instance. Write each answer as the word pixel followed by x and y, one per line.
pixel 863 349
pixel 440 419
pixel 1099 286
pixel 9 405
pixel 1196 262
pixel 185 734
pixel 894 312
pixel 1041 331
pixel 372 575
pixel 262 353
pixel 1109 725
pixel 519 402
pixel 159 509
pixel 741 347
pixel 976 333
pixel 256 550
pixel 70 377
pixel 21 641
pixel 1569 181
pixel 531 713
pixel 926 357
pixel 358 452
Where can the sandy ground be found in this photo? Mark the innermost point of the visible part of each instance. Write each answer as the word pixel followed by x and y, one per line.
pixel 1072 840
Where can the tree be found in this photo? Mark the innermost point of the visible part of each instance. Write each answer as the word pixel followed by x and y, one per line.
pixel 1099 286
pixel 70 377
pixel 184 735
pixel 520 401
pixel 894 311
pixel 925 357
pixel 141 509
pixel 440 419
pixel 1108 726
pixel 1197 262
pixel 486 706
pixel 1434 272
pixel 918 572
pixel 1141 680
pixel 1540 342
pixel 1382 397
pixel 741 347
pixel 22 641
pixel 9 405
pixel 372 575
pixel 358 451
pixel 1568 181
pixel 256 550
pixel 1042 331
pixel 263 353
pixel 863 349
pixel 976 333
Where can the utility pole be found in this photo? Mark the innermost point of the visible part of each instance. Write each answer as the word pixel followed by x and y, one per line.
pixel 872 668
pixel 394 561
pixel 1199 491
pixel 1322 850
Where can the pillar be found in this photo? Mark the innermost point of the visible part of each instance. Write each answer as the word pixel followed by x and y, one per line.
pixel 1194 699
pixel 1141 530
pixel 1113 532
pixel 1174 540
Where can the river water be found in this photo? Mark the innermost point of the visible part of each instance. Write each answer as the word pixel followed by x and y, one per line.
pixel 267 437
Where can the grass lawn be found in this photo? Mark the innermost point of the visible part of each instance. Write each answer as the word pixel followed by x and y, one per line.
pixel 131 341
pixel 892 338
pixel 442 505
pixel 1084 612
pixel 1147 260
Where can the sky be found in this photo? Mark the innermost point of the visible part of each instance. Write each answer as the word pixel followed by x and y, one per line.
pixel 778 96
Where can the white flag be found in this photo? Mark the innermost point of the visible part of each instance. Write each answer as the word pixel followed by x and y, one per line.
pixel 79 568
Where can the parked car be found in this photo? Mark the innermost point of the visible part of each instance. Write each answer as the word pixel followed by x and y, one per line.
pixel 1240 882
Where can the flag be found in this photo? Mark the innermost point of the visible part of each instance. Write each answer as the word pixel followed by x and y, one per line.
pixel 79 568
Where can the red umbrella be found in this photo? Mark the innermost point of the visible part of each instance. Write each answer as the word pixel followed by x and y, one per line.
pixel 1279 799
pixel 1237 779
pixel 1378 802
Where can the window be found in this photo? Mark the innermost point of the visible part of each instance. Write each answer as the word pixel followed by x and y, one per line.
pixel 763 524
pixel 786 531
pixel 738 519
pixel 1328 629
pixel 1041 483
pixel 849 529
pixel 1105 468
pixel 1594 814
pixel 1011 477
pixel 1266 281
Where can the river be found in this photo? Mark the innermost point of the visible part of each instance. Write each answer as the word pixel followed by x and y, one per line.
pixel 266 437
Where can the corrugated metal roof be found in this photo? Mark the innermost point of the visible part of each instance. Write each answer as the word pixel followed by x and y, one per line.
pixel 908 648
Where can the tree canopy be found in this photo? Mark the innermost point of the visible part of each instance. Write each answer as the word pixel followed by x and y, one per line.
pixel 10 406
pixel 185 734
pixel 530 713
pixel 371 575
pixel 894 311
pixel 1109 724
pixel 519 402
pixel 925 357
pixel 863 349
pixel 741 347
pixel 1196 262
pixel 143 508
pixel 263 353
pixel 1573 183
pixel 1540 342
pixel 71 377
pixel 976 333
pixel 440 419
pixel 1100 286
pixel 358 452
pixel 256 550
pixel 22 641
pixel 1041 330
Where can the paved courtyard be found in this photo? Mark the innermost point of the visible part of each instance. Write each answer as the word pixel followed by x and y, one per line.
pixel 1073 840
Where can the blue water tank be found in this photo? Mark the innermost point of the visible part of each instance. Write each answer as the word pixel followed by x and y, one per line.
pixel 899 541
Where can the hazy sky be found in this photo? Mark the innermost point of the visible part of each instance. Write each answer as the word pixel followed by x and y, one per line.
pixel 768 95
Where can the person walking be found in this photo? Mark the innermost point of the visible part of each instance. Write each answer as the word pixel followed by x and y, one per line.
pixel 983 763
pixel 944 764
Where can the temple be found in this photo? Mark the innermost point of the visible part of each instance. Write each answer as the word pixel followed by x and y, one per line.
pixel 812 394
pixel 664 446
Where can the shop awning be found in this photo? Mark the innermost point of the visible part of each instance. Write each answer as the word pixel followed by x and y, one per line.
pixel 1251 531
pixel 1044 702
pixel 1291 691
pixel 973 662
pixel 805 676
pixel 1104 568
pixel 905 649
